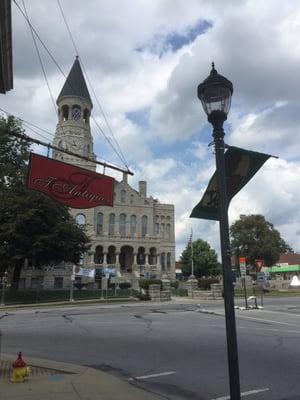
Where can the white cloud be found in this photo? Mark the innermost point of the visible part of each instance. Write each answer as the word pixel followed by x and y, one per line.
pixel 255 44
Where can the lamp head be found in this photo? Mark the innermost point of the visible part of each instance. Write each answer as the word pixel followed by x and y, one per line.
pixel 215 93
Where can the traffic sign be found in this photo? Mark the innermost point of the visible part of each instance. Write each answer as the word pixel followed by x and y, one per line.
pixel 243 267
pixel 261 278
pixel 260 264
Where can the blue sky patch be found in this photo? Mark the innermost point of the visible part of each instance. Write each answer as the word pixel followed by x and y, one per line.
pixel 174 41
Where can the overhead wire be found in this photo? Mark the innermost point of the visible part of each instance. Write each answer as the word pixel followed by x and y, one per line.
pixel 30 125
pixel 40 59
pixel 91 87
pixel 62 72
pixel 103 163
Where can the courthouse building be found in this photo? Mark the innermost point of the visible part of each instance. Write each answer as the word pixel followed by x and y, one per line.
pixel 136 236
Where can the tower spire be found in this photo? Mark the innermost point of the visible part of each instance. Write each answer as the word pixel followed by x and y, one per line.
pixel 75 85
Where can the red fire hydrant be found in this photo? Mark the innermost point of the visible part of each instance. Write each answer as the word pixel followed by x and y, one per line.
pixel 20 370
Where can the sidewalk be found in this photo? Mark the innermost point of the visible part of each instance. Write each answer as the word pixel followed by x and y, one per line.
pixel 52 380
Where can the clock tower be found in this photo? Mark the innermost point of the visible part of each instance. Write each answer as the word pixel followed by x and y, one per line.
pixel 73 130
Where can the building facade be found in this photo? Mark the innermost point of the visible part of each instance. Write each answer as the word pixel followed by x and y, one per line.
pixel 135 237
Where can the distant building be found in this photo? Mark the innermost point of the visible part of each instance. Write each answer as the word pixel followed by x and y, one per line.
pixel 137 236
pixel 287 265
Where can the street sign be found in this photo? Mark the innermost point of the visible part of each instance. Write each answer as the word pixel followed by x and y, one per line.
pixel 243 267
pixel 259 264
pixel 261 278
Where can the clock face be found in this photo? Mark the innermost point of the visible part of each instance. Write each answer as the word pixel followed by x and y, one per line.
pixel 76 113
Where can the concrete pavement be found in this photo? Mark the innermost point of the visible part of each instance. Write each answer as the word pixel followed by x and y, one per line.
pixel 61 381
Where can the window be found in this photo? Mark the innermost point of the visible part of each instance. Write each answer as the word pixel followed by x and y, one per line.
pixel 86 116
pixel 156 228
pixel 131 198
pixel 99 224
pixel 111 227
pixel 122 227
pixel 34 283
pixel 144 225
pixel 162 231
pixel 162 261
pixel 65 113
pixel 80 219
pixel 76 113
pixel 132 225
pixel 58 282
pixel 123 196
pixel 168 231
pixel 168 261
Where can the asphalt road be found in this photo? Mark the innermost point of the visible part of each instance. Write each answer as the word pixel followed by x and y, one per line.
pixel 176 350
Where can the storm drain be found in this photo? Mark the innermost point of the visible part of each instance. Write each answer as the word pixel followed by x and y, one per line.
pixel 6 371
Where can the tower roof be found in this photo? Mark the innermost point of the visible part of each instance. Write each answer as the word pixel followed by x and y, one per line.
pixel 75 84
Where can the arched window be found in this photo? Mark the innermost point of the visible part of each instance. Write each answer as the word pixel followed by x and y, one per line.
pixel 76 112
pixel 163 261
pixel 156 228
pixel 80 219
pixel 162 231
pixel 168 231
pixel 132 225
pixel 144 225
pixel 122 225
pixel 111 227
pixel 65 113
pixel 99 224
pixel 123 196
pixel 168 261
pixel 86 116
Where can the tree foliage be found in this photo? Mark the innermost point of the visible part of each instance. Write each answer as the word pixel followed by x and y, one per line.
pixel 31 224
pixel 255 238
pixel 205 259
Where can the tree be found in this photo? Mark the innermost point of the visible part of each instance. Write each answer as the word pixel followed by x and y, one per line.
pixel 204 257
pixel 31 224
pixel 255 238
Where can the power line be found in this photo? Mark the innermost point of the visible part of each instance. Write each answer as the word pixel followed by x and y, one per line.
pixel 71 153
pixel 40 59
pixel 28 123
pixel 29 126
pixel 121 155
pixel 62 72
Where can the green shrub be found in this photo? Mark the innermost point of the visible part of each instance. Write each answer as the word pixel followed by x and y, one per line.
pixel 175 284
pixel 124 285
pixel 143 297
pixel 179 292
pixel 144 283
pixel 204 283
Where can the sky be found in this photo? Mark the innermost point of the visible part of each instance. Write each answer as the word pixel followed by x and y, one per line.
pixel 144 60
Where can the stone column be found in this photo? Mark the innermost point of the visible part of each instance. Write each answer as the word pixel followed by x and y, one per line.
pixel 118 272
pixel 104 259
pixel 192 285
pixel 154 292
pixel 135 267
pixel 147 259
pixel 217 289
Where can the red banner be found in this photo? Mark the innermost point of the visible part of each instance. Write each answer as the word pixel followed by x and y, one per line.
pixel 73 186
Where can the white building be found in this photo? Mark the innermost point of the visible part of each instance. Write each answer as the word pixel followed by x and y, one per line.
pixel 136 236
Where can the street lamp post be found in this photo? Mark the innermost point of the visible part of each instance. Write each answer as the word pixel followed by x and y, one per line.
pixel 215 94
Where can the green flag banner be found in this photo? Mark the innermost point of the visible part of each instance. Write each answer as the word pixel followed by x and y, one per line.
pixel 240 166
